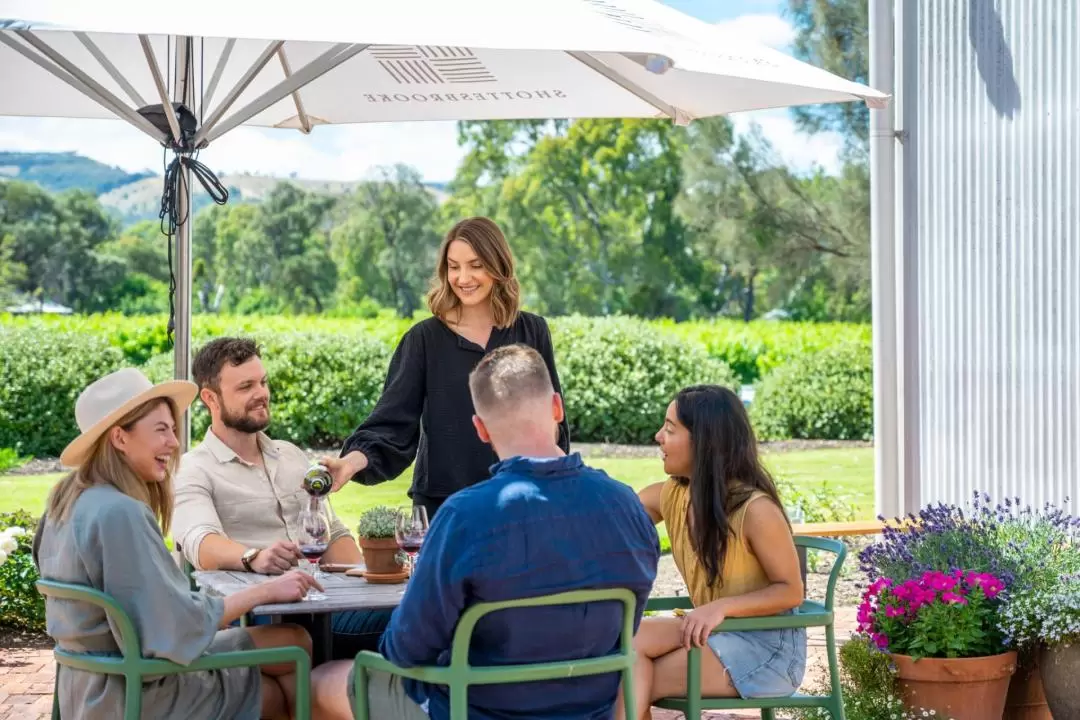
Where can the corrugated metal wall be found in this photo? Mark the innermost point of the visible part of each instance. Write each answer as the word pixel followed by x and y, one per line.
pixel 991 234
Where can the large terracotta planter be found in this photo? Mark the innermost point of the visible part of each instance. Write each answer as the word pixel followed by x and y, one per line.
pixel 1060 668
pixel 960 688
pixel 380 555
pixel 1026 700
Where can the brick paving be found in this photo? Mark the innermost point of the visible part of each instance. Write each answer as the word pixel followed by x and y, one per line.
pixel 26 677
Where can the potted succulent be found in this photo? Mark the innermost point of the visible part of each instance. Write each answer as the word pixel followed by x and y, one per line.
pixel 1027 549
pixel 1052 615
pixel 376 533
pixel 941 630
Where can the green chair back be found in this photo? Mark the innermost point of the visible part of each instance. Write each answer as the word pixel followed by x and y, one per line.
pixel 459 675
pixel 809 614
pixel 135 668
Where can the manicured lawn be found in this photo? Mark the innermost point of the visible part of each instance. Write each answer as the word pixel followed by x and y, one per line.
pixel 848 472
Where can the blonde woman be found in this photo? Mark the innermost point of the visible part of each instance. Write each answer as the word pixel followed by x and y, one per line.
pixel 103 528
pixel 425 412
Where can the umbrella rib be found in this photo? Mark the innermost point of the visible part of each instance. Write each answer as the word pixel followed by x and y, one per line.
pixel 596 65
pixel 238 89
pixel 219 70
pixel 305 123
pixel 163 93
pixel 315 69
pixel 64 70
pixel 113 71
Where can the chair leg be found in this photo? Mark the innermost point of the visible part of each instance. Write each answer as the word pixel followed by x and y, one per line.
pixel 56 695
pixel 132 696
pixel 768 714
pixel 836 706
pixel 693 684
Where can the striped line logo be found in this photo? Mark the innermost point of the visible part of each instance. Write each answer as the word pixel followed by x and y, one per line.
pixel 431 65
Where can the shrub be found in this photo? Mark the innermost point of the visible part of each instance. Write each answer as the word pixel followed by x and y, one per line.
pixel 20 604
pixel 41 375
pixel 618 376
pixel 825 395
pixel 10 460
pixel 322 385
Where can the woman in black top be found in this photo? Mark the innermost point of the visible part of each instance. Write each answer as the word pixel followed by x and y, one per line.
pixel 425 411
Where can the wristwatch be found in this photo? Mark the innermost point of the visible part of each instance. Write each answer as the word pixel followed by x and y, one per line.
pixel 248 557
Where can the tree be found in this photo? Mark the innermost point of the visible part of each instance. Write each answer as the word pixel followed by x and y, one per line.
pixel 388 239
pixel 835 35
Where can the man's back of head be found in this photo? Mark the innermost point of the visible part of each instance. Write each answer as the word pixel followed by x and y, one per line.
pixel 517 408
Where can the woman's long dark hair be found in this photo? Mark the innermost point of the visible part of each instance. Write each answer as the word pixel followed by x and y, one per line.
pixel 726 469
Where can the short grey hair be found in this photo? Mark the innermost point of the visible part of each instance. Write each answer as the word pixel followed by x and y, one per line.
pixel 507 377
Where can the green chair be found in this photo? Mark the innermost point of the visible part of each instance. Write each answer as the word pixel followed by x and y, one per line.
pixel 809 614
pixel 135 668
pixel 459 675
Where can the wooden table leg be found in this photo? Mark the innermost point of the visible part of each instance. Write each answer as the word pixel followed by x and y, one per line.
pixel 322 637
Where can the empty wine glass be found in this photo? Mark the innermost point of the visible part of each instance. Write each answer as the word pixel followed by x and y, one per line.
pixel 411 529
pixel 314 540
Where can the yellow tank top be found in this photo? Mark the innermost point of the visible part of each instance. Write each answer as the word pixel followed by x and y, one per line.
pixel 741 574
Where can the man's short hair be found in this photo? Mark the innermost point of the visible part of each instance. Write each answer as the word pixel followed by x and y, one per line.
pixel 507 377
pixel 211 358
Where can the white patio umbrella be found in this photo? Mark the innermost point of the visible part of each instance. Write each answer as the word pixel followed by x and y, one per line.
pixel 187 73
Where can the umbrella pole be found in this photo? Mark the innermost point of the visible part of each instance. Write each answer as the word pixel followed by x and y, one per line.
pixel 184 92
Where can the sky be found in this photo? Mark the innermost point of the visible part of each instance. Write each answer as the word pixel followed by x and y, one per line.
pixel 350 152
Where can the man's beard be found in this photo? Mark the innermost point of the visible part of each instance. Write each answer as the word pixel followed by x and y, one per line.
pixel 242 423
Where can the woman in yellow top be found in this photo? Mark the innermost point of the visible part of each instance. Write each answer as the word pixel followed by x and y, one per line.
pixel 732 543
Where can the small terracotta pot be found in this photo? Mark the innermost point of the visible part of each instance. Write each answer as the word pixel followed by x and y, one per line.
pixel 1026 700
pixel 380 555
pixel 1060 668
pixel 957 688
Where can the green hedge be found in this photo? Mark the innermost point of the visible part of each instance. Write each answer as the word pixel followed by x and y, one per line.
pixel 824 395
pixel 41 375
pixel 619 374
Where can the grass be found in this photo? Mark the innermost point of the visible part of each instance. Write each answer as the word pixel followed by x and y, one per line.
pixel 848 472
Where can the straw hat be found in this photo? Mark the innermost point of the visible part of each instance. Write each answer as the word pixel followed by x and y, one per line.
pixel 112 397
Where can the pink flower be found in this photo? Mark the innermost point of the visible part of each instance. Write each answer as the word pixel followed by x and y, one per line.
pixel 953 598
pixel 878 585
pixel 880 640
pixel 892 611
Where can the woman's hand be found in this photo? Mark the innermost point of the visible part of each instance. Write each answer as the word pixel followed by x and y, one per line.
pixel 342 469
pixel 700 622
pixel 290 587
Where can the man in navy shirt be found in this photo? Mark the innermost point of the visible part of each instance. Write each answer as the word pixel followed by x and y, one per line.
pixel 543 523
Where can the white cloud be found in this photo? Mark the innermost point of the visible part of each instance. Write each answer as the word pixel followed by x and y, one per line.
pixel 800 151
pixel 329 153
pixel 762 28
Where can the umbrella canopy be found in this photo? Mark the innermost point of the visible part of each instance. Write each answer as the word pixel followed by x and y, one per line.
pixel 278 63
pixel 189 72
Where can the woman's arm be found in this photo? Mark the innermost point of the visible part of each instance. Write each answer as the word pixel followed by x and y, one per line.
pixel 652 498
pixel 547 351
pixel 384 445
pixel 767 531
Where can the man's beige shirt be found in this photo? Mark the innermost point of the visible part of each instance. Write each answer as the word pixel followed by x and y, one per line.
pixel 218 492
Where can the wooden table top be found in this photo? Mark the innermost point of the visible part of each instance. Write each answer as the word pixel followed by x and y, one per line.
pixel 343 593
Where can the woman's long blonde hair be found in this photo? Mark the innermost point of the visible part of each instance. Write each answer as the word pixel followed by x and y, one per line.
pixel 107 466
pixel 489 244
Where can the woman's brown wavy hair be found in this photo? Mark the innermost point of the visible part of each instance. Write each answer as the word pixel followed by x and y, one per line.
pixel 489 244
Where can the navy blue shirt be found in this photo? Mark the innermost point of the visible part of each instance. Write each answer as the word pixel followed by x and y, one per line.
pixel 536 527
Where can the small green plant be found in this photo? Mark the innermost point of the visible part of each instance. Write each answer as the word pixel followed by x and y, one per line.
pixel 10 459
pixel 378 522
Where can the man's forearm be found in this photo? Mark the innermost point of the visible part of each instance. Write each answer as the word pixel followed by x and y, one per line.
pixel 343 551
pixel 217 552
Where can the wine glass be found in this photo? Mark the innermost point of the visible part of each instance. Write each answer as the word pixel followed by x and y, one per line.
pixel 314 539
pixel 410 531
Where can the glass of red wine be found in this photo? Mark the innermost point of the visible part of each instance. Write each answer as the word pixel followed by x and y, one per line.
pixel 412 527
pixel 314 539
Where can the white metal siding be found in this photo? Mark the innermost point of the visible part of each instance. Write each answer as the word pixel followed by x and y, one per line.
pixel 991 231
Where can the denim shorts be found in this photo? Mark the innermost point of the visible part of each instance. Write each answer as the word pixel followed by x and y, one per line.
pixel 763 663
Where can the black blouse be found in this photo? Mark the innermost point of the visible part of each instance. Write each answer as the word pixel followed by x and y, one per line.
pixel 425 412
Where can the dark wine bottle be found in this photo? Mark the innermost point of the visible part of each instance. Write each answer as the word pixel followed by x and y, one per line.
pixel 318 481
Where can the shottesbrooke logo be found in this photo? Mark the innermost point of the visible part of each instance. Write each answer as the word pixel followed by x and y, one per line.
pixel 427 65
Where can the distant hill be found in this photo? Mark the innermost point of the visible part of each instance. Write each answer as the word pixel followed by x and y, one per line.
pixel 133 197
pixel 57 172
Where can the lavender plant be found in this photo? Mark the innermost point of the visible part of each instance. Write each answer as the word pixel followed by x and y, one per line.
pixel 1029 550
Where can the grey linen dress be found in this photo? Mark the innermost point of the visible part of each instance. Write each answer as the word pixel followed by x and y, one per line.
pixel 111 542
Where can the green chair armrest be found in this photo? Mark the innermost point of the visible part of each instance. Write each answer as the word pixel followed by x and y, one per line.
pixel 217 661
pixel 365 659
